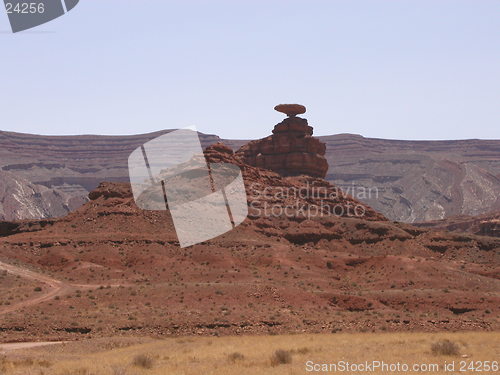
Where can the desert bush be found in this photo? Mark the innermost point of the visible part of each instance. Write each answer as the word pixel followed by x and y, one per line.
pixel 119 370
pixel 80 371
pixel 303 350
pixel 144 361
pixel 44 363
pixel 281 357
pixel 445 347
pixel 233 357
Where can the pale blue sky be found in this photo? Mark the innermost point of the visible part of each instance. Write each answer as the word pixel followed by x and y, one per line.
pixel 421 69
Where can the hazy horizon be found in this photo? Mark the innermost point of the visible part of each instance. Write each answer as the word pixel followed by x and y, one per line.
pixel 247 139
pixel 421 70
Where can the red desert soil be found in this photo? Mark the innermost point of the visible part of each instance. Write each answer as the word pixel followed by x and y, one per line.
pixel 110 268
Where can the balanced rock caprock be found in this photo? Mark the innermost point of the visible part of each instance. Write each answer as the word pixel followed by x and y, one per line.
pixel 291 110
pixel 291 150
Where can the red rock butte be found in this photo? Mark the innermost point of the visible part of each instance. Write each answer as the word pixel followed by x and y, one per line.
pixel 291 150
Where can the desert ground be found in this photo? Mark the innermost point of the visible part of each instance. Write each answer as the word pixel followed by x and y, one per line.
pixel 277 295
pixel 110 268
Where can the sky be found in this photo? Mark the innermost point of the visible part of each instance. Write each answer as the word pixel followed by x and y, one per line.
pixel 396 69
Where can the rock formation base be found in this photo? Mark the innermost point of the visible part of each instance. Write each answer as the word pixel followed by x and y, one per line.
pixel 290 151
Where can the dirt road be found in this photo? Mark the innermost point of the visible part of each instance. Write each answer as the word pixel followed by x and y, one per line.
pixel 55 287
pixel 4 348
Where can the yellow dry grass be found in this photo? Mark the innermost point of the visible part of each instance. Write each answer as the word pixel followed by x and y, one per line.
pixel 216 355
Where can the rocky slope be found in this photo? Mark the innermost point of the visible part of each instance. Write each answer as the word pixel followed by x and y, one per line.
pixel 485 225
pixel 110 268
pixel 62 170
pixel 418 180
pixel 409 181
pixel 21 199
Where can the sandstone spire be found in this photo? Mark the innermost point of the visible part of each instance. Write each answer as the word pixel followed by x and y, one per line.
pixel 291 150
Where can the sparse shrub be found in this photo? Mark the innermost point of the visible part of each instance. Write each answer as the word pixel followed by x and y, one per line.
pixel 445 347
pixel 303 350
pixel 329 265
pixel 80 371
pixel 119 370
pixel 281 357
pixel 233 357
pixel 37 289
pixel 144 361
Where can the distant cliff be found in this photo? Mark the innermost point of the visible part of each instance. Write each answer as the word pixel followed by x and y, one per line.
pixel 49 176
pixel 408 181
pixel 418 180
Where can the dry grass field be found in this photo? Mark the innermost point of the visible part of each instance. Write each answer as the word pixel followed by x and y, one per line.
pixel 285 354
